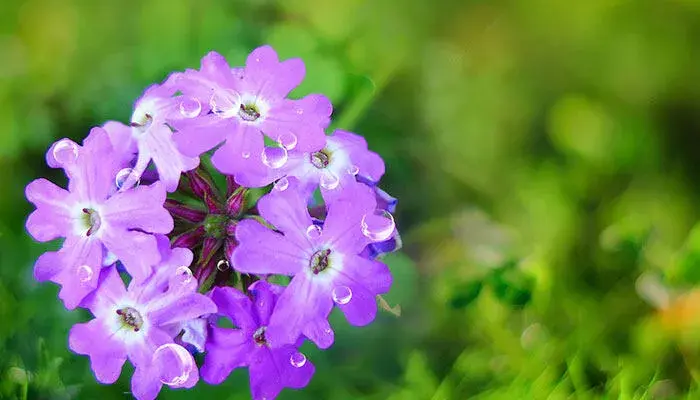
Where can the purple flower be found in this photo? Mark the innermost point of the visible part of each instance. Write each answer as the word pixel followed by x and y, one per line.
pixel 95 220
pixel 341 163
pixel 133 324
pixel 150 137
pixel 271 369
pixel 245 105
pixel 324 261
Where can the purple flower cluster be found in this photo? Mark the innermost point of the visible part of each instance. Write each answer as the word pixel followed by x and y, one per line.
pixel 164 237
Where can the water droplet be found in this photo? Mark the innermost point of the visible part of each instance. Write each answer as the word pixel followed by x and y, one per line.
pixel 329 180
pixel 287 140
pixel 342 294
pixel 353 170
pixel 274 157
pixel 282 184
pixel 185 274
pixel 222 265
pixel 190 107
pixel 378 225
pixel 224 103
pixel 297 359
pixel 173 363
pixel 300 111
pixel 84 273
pixel 126 179
pixel 314 232
pixel 245 154
pixel 65 152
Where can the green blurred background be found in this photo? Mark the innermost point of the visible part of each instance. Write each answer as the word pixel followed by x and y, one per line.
pixel 546 155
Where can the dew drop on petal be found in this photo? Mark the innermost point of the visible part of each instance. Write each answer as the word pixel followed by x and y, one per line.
pixel 287 140
pixel 341 294
pixel 300 111
pixel 282 184
pixel 353 170
pixel 222 265
pixel 124 175
pixel 297 359
pixel 190 107
pixel 245 154
pixel 184 274
pixel 274 157
pixel 173 363
pixel 313 232
pixel 65 152
pixel 378 225
pixel 84 273
pixel 329 180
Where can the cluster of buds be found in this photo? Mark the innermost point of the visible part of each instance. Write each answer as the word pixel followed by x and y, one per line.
pixel 222 199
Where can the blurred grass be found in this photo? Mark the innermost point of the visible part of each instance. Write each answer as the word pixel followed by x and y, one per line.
pixel 545 155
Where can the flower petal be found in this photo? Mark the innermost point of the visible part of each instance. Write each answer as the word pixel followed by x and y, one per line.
pixel 370 164
pixel 226 351
pixel 145 383
pixel 52 217
pixel 242 151
pixel 107 355
pixel 262 251
pixel 172 307
pixel 303 302
pixel 136 250
pixel 170 163
pixel 362 307
pixel 343 223
pixel 139 208
pixel 235 305
pixel 286 210
pixel 197 135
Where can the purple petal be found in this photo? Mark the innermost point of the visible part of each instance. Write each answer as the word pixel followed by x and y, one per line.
pixel 107 355
pixel 242 151
pixel 158 144
pixel 304 301
pixel 343 223
pixel 141 351
pixel 286 210
pixel 52 218
pixel 320 332
pixel 145 383
pixel 265 75
pixel 275 371
pixel 136 250
pixel 227 350
pixel 139 208
pixel 370 164
pixel 80 261
pixel 262 251
pixel 95 169
pixel 235 305
pixel 305 118
pixel 110 291
pixel 362 307
pixel 47 266
pixel 197 135
pixel 265 298
pixel 122 140
pixel 174 307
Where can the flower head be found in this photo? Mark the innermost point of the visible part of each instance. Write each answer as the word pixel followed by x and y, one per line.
pixel 324 261
pixel 246 105
pixel 271 369
pixel 95 220
pixel 134 324
pixel 149 136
